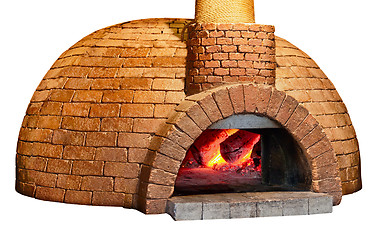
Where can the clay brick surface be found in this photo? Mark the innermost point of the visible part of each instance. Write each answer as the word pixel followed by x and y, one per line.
pixel 79 153
pixel 84 168
pixel 80 124
pixel 127 170
pixel 110 199
pixel 139 140
pixel 91 183
pixel 105 110
pixel 59 166
pixel 78 197
pixel 125 185
pixel 69 181
pixel 50 194
pixel 117 124
pixel 111 154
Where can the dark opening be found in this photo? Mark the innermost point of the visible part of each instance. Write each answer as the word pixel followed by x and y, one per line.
pixel 239 160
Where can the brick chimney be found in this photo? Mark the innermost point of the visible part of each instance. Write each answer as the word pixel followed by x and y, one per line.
pixel 226 46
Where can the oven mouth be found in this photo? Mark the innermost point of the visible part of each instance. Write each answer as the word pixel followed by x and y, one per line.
pixel 260 158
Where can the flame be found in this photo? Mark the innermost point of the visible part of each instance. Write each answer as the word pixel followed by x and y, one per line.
pixel 218 161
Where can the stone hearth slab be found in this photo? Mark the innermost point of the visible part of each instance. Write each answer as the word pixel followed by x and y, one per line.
pixel 248 205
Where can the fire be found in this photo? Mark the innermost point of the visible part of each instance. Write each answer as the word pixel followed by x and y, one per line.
pixel 223 150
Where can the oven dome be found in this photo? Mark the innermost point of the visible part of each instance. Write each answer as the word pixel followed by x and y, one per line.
pixel 89 127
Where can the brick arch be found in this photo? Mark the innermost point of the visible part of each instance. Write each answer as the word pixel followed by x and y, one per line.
pixel 197 112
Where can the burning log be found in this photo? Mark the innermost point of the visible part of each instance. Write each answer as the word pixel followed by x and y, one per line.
pixel 239 146
pixel 207 146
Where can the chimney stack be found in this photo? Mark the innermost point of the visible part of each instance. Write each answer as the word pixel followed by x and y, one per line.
pixel 226 46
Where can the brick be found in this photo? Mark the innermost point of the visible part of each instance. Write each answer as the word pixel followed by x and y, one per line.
pixel 313 137
pixel 60 95
pixel 206 56
pixel 245 64
pixel 305 127
pixel 137 62
pixel 223 101
pixel 166 163
pixel 224 41
pixel 79 153
pixel 212 64
pixel 92 183
pixel 78 83
pixel 149 96
pixel 236 56
pixel 287 108
pixel 40 178
pixel 117 124
pixel 66 137
pixel 220 56
pixel 101 139
pixel 159 191
pixel 35 135
pixel 76 109
pixel 161 177
pixel 78 197
pixel 168 148
pixel 51 108
pixel 135 52
pixel 33 108
pixel 33 163
pixel 136 83
pixel 111 154
pixel 229 64
pixel 105 84
pixel 111 199
pixel 120 96
pixel 24 148
pixel 197 114
pixel 40 96
pixel 81 124
pixel 58 166
pixel 189 127
pixel 240 41
pixel 263 99
pixel 126 185
pixel 138 140
pixel 174 97
pixel 69 181
pixel 210 108
pixel 250 95
pixel 237 72
pixel 49 122
pixel 145 125
pixel 105 110
pixel 329 171
pixel 320 147
pixel 47 150
pixel 137 155
pixel 296 118
pixel 103 72
pixel 94 168
pixel 168 84
pixel 87 96
pixel 137 110
pixel 126 170
pixel 50 194
pixel 208 41
pixel 237 98
pixel 163 110
pixel 221 71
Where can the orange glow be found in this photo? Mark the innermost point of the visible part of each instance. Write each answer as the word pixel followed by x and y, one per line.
pixel 218 161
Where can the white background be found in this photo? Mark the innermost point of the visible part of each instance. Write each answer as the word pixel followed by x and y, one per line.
pixel 337 34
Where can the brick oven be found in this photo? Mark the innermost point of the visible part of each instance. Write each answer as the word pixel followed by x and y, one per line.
pixel 214 117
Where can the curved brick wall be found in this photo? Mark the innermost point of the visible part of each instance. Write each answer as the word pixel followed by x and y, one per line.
pixel 299 76
pixel 89 125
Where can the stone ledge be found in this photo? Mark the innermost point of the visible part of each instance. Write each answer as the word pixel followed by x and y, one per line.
pixel 248 205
